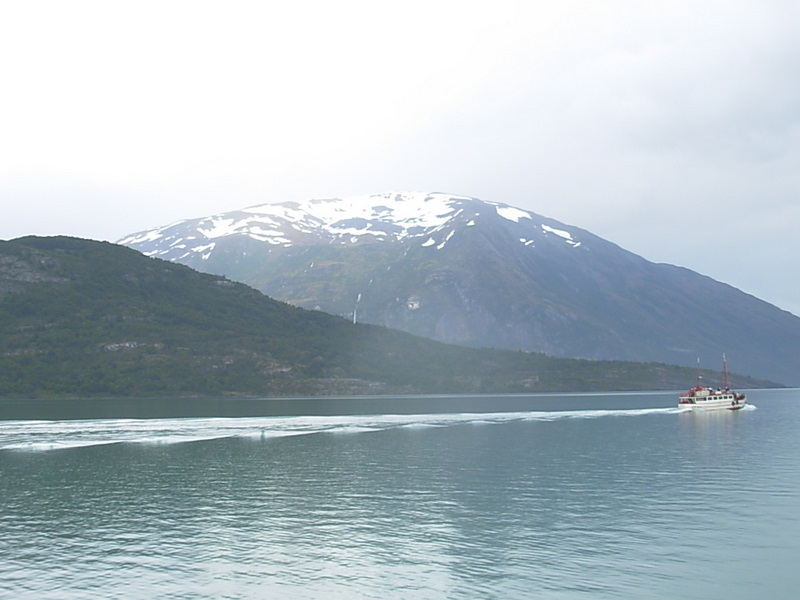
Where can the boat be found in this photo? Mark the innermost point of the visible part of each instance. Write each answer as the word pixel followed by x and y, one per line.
pixel 702 397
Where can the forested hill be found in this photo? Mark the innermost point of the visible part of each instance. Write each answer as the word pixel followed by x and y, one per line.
pixel 87 318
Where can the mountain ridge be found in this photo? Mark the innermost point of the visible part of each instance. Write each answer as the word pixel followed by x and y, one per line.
pixel 465 271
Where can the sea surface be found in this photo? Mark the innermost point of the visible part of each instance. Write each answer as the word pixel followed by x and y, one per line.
pixel 544 496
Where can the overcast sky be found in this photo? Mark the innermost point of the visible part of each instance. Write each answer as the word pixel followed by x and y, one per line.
pixel 669 128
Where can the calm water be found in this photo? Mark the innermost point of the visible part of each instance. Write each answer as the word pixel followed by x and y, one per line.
pixel 608 496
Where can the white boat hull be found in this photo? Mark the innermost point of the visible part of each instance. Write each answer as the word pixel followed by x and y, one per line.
pixel 713 402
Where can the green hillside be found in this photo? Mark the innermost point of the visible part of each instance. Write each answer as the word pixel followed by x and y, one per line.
pixel 86 318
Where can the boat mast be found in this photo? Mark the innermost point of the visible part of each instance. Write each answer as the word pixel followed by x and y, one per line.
pixel 699 382
pixel 724 372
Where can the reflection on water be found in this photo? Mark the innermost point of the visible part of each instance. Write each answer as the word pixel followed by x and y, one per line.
pixel 644 502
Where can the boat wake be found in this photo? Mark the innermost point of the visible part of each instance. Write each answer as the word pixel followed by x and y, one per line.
pixel 58 435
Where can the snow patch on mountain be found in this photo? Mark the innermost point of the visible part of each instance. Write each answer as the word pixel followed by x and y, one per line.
pixel 562 234
pixel 512 214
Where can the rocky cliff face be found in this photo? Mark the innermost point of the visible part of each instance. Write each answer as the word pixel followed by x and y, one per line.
pixel 23 266
pixel 475 273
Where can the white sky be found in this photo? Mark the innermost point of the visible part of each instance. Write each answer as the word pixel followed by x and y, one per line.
pixel 669 128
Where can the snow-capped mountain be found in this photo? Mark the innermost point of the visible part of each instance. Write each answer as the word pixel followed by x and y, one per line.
pixel 466 271
pixel 429 218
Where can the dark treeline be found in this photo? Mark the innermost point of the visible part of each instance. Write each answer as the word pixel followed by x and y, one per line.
pixel 85 318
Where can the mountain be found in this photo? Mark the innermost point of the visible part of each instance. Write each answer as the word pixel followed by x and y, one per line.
pixel 465 271
pixel 85 318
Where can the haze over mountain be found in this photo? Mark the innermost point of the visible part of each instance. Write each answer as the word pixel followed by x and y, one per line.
pixel 465 271
pixel 85 318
